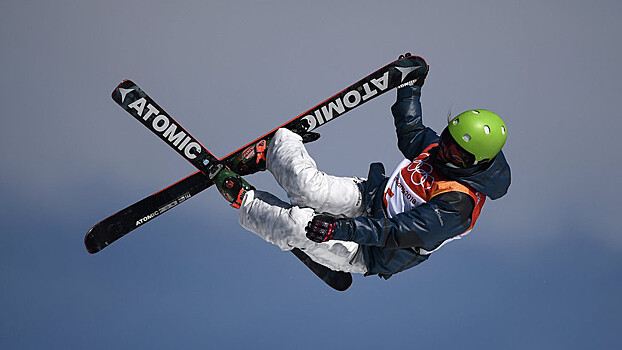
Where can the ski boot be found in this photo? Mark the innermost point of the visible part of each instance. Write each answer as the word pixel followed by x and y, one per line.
pixel 253 158
pixel 232 186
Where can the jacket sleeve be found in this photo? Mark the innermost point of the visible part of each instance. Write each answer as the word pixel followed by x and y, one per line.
pixel 412 135
pixel 426 226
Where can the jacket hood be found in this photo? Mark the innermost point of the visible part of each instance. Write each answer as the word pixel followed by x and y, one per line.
pixel 492 179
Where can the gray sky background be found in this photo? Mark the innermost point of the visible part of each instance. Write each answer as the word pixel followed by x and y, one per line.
pixel 542 269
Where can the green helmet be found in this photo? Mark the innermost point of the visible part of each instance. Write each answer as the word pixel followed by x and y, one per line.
pixel 480 132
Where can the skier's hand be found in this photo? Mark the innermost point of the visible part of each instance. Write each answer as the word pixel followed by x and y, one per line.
pixel 321 228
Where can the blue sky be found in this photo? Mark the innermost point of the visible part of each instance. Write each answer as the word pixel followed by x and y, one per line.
pixel 542 269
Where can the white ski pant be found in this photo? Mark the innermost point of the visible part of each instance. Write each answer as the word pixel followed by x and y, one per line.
pixel 310 191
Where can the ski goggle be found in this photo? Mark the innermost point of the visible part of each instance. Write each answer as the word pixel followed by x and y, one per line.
pixel 451 152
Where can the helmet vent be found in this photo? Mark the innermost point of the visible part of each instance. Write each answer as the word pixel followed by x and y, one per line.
pixel 456 121
pixel 503 130
pixel 487 129
pixel 466 137
pixel 476 111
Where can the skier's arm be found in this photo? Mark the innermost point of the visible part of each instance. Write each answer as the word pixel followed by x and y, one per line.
pixel 426 226
pixel 412 135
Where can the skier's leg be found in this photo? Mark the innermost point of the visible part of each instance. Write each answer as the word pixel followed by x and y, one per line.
pixel 306 186
pixel 284 225
pixel 253 158
pixel 274 220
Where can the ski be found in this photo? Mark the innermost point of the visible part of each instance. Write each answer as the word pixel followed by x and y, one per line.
pixel 107 231
pixel 123 222
pixel 338 280
pixel 130 218
pixel 138 104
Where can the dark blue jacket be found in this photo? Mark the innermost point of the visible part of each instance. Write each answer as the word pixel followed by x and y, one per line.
pixel 392 245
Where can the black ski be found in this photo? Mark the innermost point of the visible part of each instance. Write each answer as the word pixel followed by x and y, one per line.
pixel 121 223
pixel 337 280
pixel 129 96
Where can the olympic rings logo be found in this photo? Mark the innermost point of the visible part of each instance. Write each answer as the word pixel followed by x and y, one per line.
pixel 420 172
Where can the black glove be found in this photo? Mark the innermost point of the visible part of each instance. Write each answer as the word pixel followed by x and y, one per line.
pixel 321 228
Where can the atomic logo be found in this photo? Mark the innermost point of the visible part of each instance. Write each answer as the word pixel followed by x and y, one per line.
pixel 166 127
pixel 124 93
pixel 406 70
pixel 346 101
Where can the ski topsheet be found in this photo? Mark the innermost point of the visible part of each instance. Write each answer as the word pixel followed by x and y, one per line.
pixel 121 223
pixel 144 109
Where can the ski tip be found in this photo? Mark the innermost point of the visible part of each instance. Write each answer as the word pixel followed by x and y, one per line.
pixel 124 84
pixel 344 282
pixel 91 242
pixel 411 61
pixel 338 280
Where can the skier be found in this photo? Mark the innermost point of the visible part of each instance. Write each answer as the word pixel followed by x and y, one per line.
pixel 379 225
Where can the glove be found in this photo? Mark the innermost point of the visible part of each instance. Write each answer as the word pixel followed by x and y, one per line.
pixel 321 228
